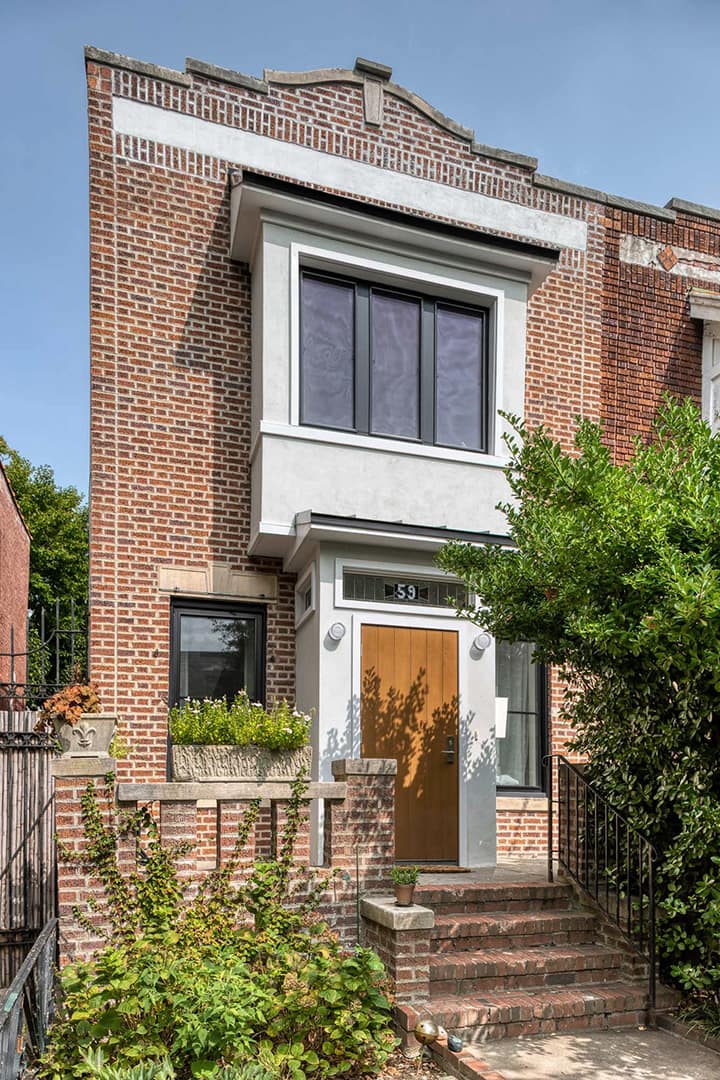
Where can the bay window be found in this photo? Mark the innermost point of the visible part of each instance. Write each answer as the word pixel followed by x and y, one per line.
pixel 393 363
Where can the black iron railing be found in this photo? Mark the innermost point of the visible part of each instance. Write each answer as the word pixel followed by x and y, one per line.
pixel 45 656
pixel 611 861
pixel 26 1006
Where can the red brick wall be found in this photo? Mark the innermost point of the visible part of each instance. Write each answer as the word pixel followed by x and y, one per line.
pixel 14 574
pixel 650 343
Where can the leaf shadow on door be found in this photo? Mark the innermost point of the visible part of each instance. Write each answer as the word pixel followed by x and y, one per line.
pixel 396 724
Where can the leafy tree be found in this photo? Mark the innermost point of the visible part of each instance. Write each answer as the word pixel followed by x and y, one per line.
pixel 616 577
pixel 57 518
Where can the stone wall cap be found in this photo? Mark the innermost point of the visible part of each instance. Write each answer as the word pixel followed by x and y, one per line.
pixel 363 767
pixel 384 911
pixel 373 67
pixel 221 74
pixel 696 209
pixel 140 67
pixel 82 766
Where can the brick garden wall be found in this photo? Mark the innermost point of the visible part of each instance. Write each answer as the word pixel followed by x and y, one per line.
pixel 359 836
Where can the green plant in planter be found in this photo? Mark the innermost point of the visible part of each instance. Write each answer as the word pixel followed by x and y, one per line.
pixel 212 722
pixel 404 875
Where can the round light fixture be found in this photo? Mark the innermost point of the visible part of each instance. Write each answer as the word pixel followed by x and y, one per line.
pixel 337 631
pixel 482 641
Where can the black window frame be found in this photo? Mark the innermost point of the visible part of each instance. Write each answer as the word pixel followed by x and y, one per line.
pixel 212 609
pixel 427 381
pixel 542 689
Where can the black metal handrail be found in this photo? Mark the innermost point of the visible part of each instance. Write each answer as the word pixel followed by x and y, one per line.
pixel 609 859
pixel 26 1006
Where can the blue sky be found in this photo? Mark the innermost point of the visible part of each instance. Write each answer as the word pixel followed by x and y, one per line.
pixel 618 96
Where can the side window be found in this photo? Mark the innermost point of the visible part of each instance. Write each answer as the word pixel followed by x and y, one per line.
pixel 520 748
pixel 395 364
pixel 216 651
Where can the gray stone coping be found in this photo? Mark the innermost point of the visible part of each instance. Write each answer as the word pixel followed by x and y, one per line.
pixel 384 911
pixel 92 765
pixel 140 67
pixel 364 767
pixel 199 791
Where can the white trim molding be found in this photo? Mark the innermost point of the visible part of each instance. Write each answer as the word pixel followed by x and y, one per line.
pixel 705 305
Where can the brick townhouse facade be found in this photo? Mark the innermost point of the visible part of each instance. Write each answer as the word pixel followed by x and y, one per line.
pixel 311 293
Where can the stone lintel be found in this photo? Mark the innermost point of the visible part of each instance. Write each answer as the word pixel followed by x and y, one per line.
pixel 96 765
pixel 344 767
pixel 225 790
pixel 385 912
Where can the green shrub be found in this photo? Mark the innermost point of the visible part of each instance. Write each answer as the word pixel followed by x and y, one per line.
pixel 243 723
pixel 241 982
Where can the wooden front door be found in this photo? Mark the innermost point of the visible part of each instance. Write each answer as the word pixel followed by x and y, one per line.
pixel 409 711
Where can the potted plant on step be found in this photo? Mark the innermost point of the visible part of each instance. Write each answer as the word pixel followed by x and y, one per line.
pixel 214 741
pixel 81 729
pixel 404 879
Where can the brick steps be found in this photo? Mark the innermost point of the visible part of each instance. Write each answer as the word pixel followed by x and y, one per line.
pixel 503 1013
pixel 489 896
pixel 497 930
pixel 519 959
pixel 535 966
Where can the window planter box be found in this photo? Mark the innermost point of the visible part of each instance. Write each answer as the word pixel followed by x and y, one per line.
pixel 217 763
pixel 90 737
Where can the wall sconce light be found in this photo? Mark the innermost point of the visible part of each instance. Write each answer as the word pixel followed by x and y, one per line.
pixel 336 631
pixel 482 641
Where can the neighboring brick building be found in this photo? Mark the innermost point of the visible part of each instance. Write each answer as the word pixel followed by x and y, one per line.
pixel 14 575
pixel 310 295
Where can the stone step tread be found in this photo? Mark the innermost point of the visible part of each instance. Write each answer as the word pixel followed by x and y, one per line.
pixel 470 924
pixel 530 960
pixel 516 1006
pixel 483 891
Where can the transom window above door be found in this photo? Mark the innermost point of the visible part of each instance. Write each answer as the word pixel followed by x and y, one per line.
pixel 383 361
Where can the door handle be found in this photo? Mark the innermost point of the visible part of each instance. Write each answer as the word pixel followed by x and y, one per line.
pixel 449 750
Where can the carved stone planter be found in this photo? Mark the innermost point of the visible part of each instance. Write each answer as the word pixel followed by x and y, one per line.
pixel 90 737
pixel 217 763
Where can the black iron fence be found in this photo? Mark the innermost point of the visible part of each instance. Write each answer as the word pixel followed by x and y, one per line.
pixel 48 654
pixel 26 1006
pixel 611 861
pixel 27 845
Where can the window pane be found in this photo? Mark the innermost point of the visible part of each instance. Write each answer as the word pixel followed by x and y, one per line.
pixel 328 353
pixel 518 752
pixel 459 373
pixel 395 368
pixel 217 656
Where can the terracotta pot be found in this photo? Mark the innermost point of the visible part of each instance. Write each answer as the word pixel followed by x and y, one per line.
pixel 404 895
pixel 217 763
pixel 90 737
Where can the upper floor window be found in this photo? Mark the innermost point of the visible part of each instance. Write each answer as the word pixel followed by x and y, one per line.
pixel 382 361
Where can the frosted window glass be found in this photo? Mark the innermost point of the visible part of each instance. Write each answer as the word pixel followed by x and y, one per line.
pixel 328 353
pixel 395 368
pixel 459 374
